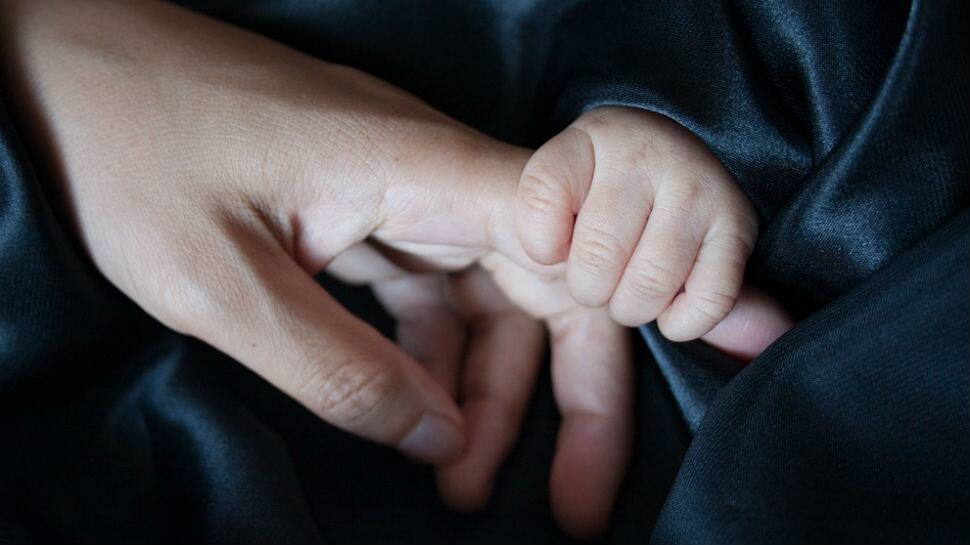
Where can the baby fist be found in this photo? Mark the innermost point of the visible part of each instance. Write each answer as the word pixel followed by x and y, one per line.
pixel 647 219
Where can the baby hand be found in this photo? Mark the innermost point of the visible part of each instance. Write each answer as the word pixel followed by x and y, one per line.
pixel 645 217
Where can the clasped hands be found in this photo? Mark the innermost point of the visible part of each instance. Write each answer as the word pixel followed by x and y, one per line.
pixel 211 173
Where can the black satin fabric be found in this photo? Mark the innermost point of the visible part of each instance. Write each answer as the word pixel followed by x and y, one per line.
pixel 846 123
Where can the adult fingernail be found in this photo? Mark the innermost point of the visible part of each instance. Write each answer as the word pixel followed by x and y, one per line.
pixel 436 439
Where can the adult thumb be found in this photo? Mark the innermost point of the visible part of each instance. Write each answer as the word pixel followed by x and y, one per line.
pixel 453 202
pixel 270 315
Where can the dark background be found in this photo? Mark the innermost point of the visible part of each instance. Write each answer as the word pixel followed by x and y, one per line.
pixel 844 122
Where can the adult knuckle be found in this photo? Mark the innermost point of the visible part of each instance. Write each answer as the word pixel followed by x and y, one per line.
pixel 185 307
pixel 198 304
pixel 350 391
pixel 190 294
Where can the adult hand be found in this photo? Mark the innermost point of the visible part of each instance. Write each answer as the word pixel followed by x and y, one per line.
pixel 211 172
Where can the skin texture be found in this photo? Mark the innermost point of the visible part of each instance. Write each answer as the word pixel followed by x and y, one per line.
pixel 210 173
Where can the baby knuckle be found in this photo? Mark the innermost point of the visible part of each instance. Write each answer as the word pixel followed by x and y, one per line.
pixel 736 245
pixel 711 306
pixel 540 192
pixel 652 282
pixel 746 233
pixel 628 314
pixel 685 197
pixel 598 250
pixel 693 323
pixel 677 329
pixel 597 119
